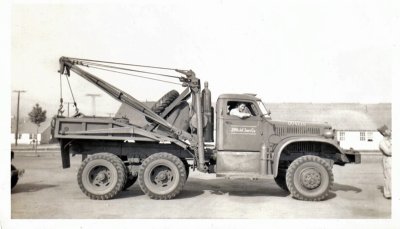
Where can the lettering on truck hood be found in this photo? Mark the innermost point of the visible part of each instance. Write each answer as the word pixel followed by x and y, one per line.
pixel 296 123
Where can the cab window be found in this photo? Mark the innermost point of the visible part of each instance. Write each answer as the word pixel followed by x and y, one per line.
pixel 250 107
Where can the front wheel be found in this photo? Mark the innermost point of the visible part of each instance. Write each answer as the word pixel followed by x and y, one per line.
pixel 102 176
pixel 162 176
pixel 309 178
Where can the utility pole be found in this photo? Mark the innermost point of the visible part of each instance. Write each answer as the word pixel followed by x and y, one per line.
pixel 93 102
pixel 68 103
pixel 17 121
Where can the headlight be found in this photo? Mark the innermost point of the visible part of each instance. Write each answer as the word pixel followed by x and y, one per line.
pixel 329 133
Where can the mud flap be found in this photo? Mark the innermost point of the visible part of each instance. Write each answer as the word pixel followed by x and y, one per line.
pixel 65 158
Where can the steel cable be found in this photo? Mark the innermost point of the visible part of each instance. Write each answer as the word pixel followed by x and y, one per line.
pixel 124 73
pixel 135 65
pixel 127 69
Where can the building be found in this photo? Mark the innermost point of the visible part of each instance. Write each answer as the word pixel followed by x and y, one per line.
pixel 27 131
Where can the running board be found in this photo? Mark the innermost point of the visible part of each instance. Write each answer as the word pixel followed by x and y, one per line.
pixel 251 176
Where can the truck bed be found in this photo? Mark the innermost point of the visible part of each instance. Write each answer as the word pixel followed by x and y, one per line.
pixel 101 128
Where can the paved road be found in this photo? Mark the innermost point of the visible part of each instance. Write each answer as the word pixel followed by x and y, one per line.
pixel 48 191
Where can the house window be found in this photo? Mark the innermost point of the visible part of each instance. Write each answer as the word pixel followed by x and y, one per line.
pixel 370 137
pixel 362 136
pixel 32 136
pixel 341 136
pixel 19 136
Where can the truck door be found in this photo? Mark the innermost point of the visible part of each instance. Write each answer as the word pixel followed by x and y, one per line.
pixel 239 134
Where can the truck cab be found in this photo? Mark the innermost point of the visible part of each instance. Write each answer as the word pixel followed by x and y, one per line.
pixel 239 140
pixel 241 134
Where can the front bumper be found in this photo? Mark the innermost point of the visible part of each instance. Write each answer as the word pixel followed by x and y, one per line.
pixel 353 156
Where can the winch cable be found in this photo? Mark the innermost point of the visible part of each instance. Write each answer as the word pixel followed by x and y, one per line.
pixel 73 98
pixel 99 65
pixel 134 65
pixel 144 77
pixel 128 69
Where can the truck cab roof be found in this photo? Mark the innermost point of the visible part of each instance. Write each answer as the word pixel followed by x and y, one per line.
pixel 239 96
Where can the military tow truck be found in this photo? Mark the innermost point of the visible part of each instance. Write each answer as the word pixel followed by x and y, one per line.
pixel 179 137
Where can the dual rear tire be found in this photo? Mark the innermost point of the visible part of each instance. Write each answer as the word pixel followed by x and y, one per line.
pixel 162 176
pixel 103 175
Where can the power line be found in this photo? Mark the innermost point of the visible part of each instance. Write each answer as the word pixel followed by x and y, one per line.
pixel 17 121
pixel 93 102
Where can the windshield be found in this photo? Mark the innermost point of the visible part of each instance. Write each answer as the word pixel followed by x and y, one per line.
pixel 262 108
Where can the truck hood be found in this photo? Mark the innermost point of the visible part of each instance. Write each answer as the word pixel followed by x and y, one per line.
pixel 286 128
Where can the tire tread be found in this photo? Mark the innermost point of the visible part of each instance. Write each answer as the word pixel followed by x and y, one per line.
pixel 182 173
pixel 121 179
pixel 290 174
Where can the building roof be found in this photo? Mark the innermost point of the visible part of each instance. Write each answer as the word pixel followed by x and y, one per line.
pixel 342 116
pixel 25 126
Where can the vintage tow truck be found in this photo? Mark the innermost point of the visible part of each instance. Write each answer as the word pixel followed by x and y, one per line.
pixel 179 136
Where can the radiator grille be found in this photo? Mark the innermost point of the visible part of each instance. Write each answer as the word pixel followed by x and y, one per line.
pixel 302 147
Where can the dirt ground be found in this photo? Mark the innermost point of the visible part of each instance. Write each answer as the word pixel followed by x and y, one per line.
pixel 46 191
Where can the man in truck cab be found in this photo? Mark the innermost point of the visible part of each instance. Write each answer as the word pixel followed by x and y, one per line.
pixel 240 111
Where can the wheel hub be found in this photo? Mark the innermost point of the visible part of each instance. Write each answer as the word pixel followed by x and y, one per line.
pixel 101 177
pixel 162 177
pixel 310 178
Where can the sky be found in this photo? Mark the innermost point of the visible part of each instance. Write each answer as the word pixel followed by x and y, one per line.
pixel 309 51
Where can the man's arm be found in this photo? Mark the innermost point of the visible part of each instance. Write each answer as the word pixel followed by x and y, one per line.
pixel 386 147
pixel 239 114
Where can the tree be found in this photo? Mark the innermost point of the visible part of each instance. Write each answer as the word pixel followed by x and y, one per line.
pixel 37 116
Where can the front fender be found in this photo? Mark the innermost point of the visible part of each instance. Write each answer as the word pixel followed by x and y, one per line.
pixel 285 142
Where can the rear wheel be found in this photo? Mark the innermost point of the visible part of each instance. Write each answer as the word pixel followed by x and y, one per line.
pixel 162 176
pixel 309 178
pixel 102 176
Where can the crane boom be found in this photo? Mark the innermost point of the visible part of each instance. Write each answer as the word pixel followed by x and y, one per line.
pixel 67 64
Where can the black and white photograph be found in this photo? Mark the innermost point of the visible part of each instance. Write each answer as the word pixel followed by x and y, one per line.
pixel 211 114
